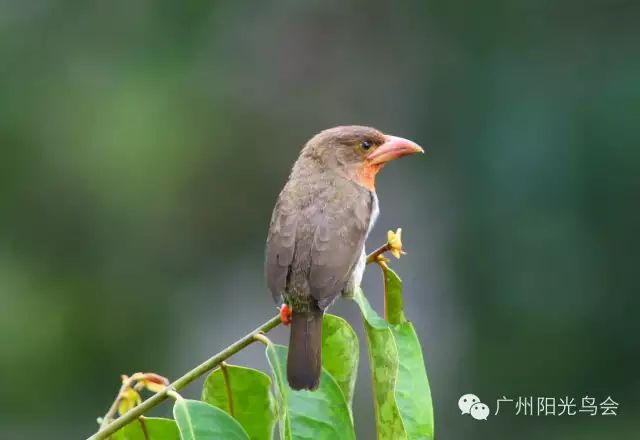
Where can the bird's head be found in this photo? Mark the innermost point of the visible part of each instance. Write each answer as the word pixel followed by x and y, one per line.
pixel 356 152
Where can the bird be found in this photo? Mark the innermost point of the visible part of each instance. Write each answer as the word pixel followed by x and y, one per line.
pixel 315 249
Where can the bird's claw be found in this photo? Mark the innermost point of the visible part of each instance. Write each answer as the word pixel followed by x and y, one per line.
pixel 285 314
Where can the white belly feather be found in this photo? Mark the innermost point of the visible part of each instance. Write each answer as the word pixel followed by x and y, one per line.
pixel 358 271
pixel 375 211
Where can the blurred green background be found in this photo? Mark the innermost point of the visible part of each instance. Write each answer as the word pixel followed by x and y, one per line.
pixel 144 144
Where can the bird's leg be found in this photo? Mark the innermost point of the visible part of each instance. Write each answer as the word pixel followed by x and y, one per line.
pixel 285 314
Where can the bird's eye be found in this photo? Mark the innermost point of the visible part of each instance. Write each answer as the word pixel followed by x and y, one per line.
pixel 365 145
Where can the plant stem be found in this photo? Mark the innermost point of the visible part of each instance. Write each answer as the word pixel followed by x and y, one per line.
pixel 260 337
pixel 126 383
pixel 383 266
pixel 174 394
pixel 183 381
pixel 373 256
pixel 227 384
pixel 143 427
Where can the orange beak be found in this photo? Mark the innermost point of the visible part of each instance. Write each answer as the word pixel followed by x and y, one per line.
pixel 393 148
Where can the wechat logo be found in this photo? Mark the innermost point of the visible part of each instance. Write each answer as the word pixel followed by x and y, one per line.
pixel 470 404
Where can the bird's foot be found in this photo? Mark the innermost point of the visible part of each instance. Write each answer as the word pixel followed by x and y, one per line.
pixel 285 314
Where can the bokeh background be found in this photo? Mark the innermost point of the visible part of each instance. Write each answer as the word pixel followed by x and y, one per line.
pixel 144 144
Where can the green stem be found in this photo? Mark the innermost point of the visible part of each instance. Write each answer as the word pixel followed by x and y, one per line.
pixel 183 381
pixel 375 257
pixel 227 384
pixel 260 337
pixel 126 383
pixel 143 427
pixel 174 395
pixel 385 296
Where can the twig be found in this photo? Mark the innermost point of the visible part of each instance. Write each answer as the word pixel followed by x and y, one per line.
pixel 261 337
pixel 173 394
pixel 227 385
pixel 373 256
pixel 183 381
pixel 126 383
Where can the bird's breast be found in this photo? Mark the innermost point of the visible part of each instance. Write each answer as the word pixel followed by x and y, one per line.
pixel 375 211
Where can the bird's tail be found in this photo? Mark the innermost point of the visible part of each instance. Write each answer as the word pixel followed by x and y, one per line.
pixel 304 360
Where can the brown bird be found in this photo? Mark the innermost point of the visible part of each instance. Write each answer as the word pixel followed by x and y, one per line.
pixel 315 247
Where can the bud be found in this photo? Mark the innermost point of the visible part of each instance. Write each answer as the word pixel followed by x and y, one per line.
pixel 128 399
pixel 154 382
pixel 394 241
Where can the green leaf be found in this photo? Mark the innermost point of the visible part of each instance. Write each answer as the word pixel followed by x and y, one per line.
pixel 401 390
pixel 340 353
pixel 413 393
pixel 320 414
pixel 252 401
pixel 393 294
pixel 157 429
pixel 201 421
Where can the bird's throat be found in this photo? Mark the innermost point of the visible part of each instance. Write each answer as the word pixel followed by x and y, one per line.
pixel 365 175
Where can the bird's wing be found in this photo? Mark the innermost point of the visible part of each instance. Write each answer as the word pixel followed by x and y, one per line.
pixel 280 246
pixel 341 230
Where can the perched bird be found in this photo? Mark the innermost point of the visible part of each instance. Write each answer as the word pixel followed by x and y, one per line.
pixel 315 246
